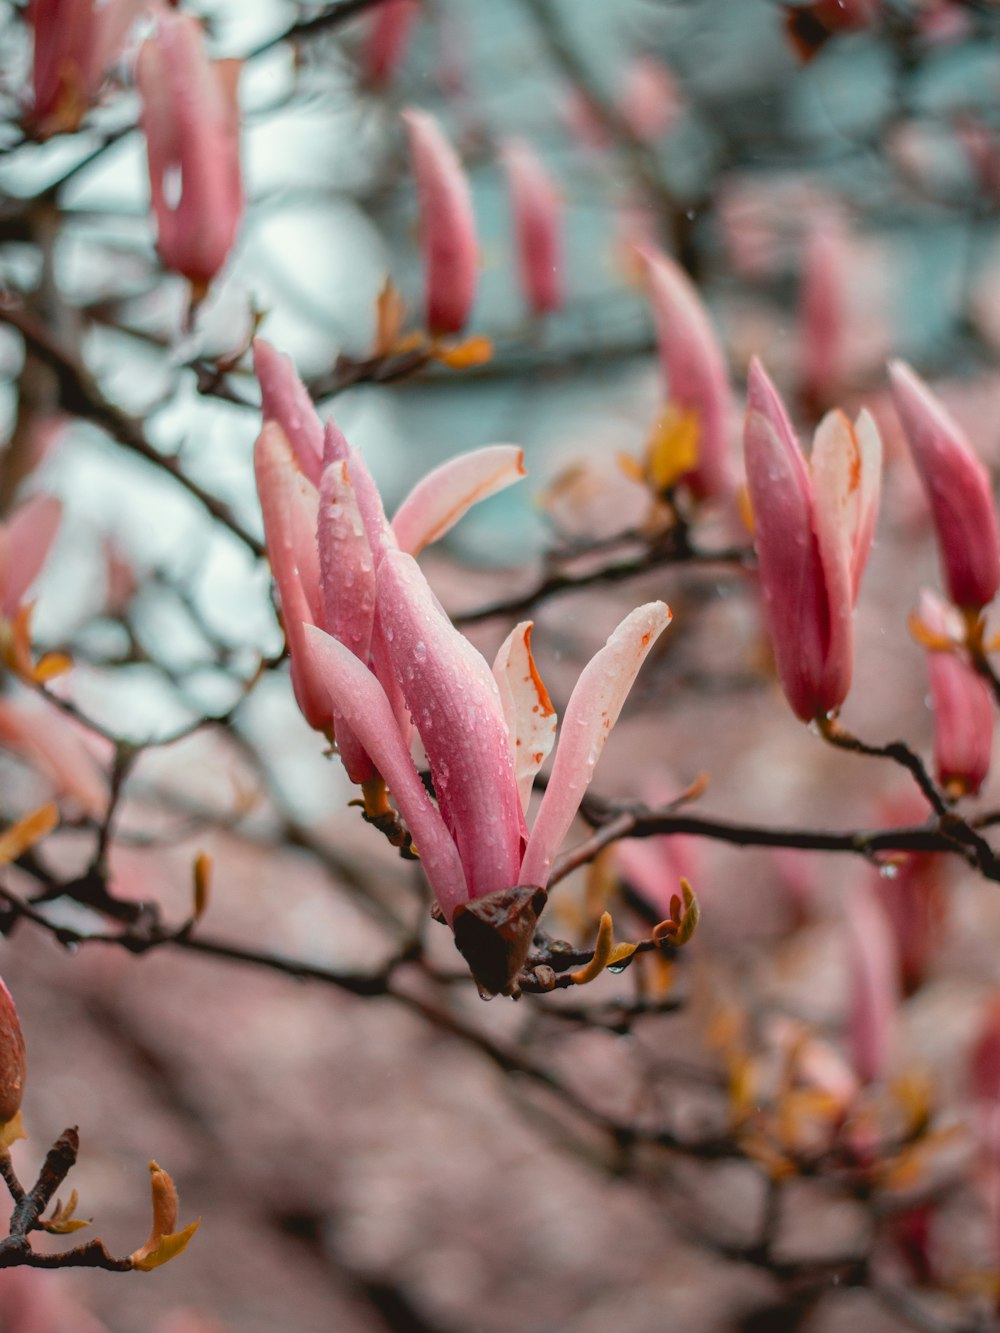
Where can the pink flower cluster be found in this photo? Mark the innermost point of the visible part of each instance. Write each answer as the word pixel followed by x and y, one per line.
pixel 374 658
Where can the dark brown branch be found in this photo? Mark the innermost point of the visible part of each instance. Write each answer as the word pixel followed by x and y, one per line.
pixel 667 551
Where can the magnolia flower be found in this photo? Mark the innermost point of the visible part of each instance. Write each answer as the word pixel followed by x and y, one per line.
pixel 958 488
pixel 961 699
pixel 76 42
pixel 537 227
pixel 813 526
pixel 191 121
pixel 447 225
pixel 326 531
pixel 694 372
pixel 485 735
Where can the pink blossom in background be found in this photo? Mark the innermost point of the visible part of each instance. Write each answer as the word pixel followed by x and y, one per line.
pixel 32 1303
pixel 537 214
pixel 958 488
pixel 873 986
pixel 52 744
pixel 388 39
pixel 76 42
pixel 913 896
pixel 653 867
pixel 447 225
pixel 813 528
pixel 25 540
pixel 190 116
pixel 962 702
pixel 823 327
pixel 694 371
pixel 979 143
pixel 650 99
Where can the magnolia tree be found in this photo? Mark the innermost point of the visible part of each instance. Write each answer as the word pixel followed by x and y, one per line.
pixel 285 797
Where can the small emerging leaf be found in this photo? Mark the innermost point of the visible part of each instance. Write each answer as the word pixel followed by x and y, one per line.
pixel 602 953
pixel 684 917
pixel 672 448
pixel 63 1220
pixel 164 1242
pixel 202 883
pixel 464 355
pixel 390 312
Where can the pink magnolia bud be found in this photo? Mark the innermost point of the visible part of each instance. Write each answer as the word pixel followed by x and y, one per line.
pixel 388 39
pixel 12 1059
pixel 694 369
pixel 958 488
pixel 822 312
pixel 962 702
pixel 813 526
pixel 537 227
pixel 447 224
pixel 75 43
pixel 191 121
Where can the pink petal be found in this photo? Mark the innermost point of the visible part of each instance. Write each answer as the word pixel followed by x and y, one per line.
pixel 838 500
pixel 388 39
pixel 788 556
pixel 592 711
pixel 958 488
pixel 191 121
pixel 63 36
pixel 441 498
pixel 528 711
pixel 447 222
pixel 455 706
pixel 693 367
pixel 870 444
pixel 290 508
pixel 113 21
pixel 47 740
pixel 380 539
pixel 347 583
pixel 962 703
pixel 284 399
pixel 25 540
pixel 358 697
pixel 537 210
